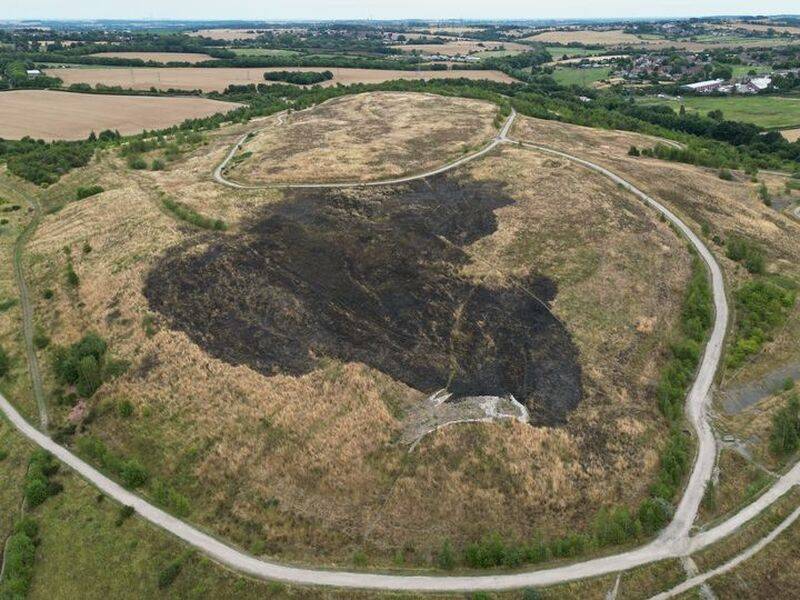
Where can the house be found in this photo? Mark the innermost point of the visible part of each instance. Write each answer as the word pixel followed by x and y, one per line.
pixel 704 87
pixel 33 73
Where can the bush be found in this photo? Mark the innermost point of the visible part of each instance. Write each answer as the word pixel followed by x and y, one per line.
pixel 125 408
pixel 86 192
pixel 125 513
pixel 81 364
pixel 762 306
pixel 5 363
pixel 136 162
pixel 784 437
pixel 634 151
pixel 725 174
pixel 157 165
pixel 764 194
pixel 188 214
pixel 747 253
pixel 169 574
pixel 72 277
pixel 20 555
pixel 445 559
pixel 133 474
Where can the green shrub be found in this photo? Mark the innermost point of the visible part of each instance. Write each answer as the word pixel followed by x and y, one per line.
pixel 86 192
pixel 762 306
pixel 633 151
pixel 747 253
pixel 725 174
pixel 784 437
pixel 299 77
pixel 446 559
pixel 764 194
pixel 168 575
pixel 125 513
pixel 81 364
pixel 136 162
pixel 5 363
pixel 157 165
pixel 125 408
pixel 20 555
pixel 188 214
pixel 72 277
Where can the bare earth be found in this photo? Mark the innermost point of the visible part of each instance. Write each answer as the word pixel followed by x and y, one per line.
pixel 211 79
pixel 366 137
pixel 791 134
pixel 162 57
pixel 51 115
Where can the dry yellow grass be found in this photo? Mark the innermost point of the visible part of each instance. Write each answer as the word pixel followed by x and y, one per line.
pixel 699 196
pixel 212 79
pixel 162 57
pixel 52 115
pixel 367 137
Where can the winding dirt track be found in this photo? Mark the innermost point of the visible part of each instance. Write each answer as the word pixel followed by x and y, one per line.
pixel 674 541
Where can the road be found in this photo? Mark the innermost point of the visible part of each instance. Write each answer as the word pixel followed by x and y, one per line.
pixel 674 541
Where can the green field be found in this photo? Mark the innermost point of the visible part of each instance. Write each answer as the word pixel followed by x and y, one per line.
pixel 773 112
pixel 263 52
pixel 744 70
pixel 583 77
pixel 559 51
pixel 499 53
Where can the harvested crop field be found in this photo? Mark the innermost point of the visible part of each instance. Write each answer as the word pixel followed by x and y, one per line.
pixel 365 137
pixel 52 115
pixel 217 79
pixel 228 34
pixel 460 47
pixel 160 57
pixel 583 36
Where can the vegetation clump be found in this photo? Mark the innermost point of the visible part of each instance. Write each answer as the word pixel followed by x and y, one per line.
pixel 747 253
pixel 299 77
pixel 38 483
pixel 762 306
pixel 86 192
pixel 20 556
pixel 784 438
pixel 188 214
pixel 84 364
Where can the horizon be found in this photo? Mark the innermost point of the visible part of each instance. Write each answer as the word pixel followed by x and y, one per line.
pixel 314 11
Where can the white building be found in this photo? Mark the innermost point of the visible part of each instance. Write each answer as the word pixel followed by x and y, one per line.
pixel 704 87
pixel 33 72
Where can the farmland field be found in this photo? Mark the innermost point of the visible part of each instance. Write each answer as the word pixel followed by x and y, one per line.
pixel 584 77
pixel 460 47
pixel 264 52
pixel 161 57
pixel 211 79
pixel 51 115
pixel 228 34
pixel 559 51
pixel 766 111
pixel 612 37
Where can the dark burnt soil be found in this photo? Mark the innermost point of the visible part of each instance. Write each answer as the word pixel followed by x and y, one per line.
pixel 373 276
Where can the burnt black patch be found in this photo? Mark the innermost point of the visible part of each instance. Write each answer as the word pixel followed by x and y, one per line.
pixel 374 276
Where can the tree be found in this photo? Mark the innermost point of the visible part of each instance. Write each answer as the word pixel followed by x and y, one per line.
pixel 446 559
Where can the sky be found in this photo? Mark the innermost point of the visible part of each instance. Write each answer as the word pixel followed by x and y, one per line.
pixel 268 10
